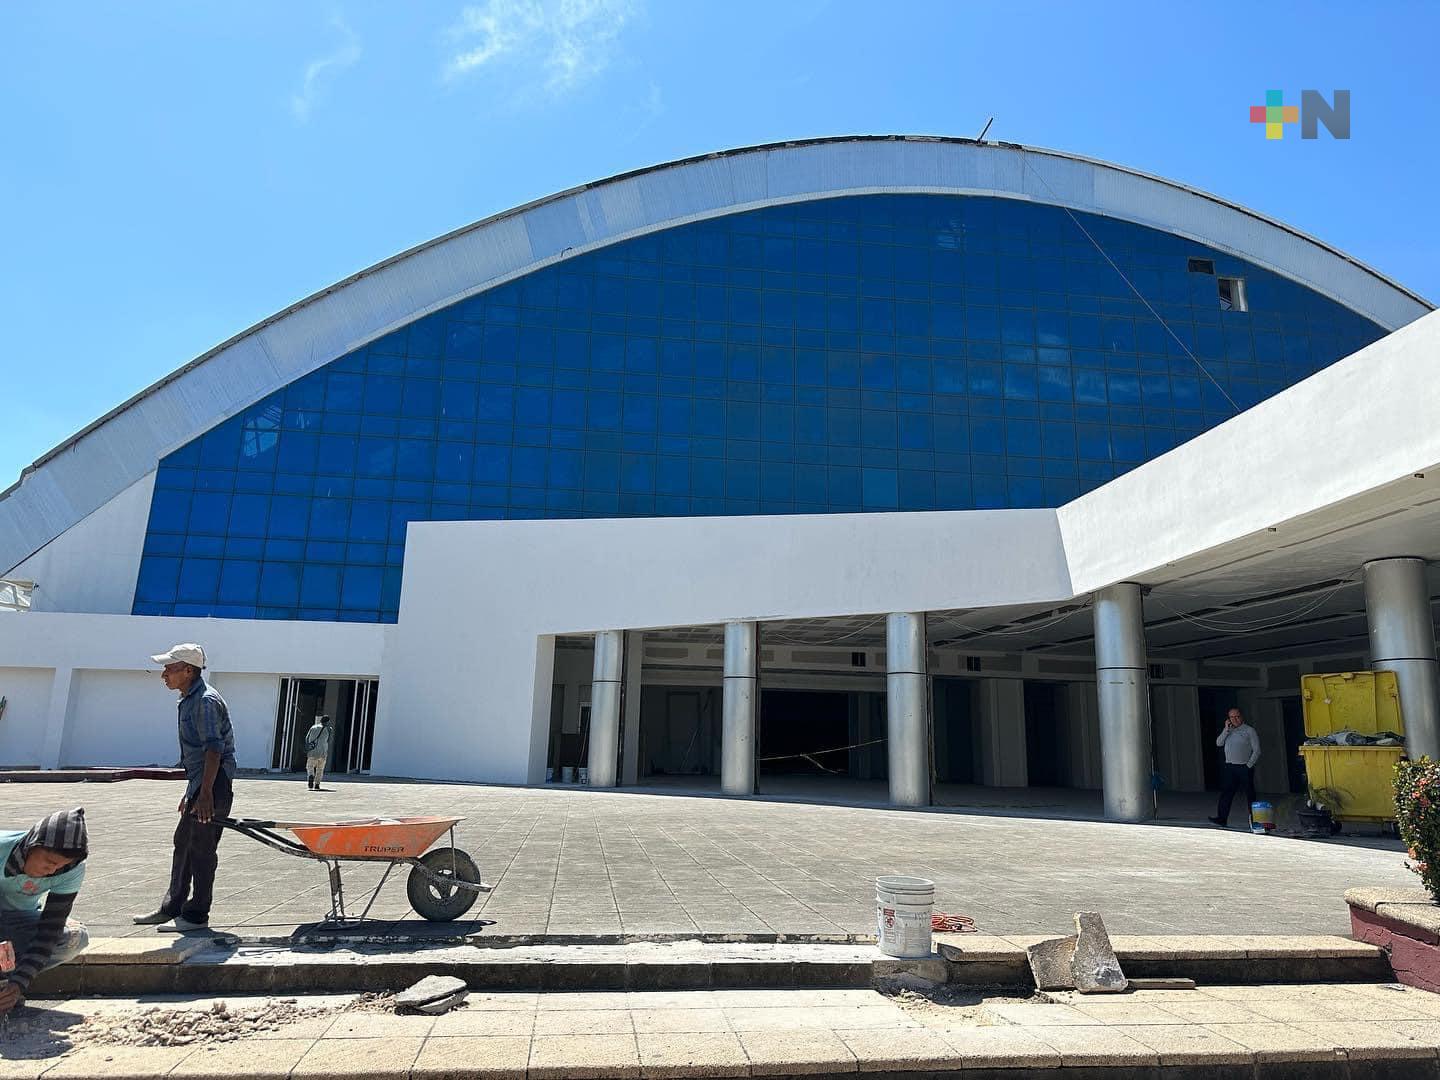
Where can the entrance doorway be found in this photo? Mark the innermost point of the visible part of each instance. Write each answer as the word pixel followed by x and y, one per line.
pixel 350 704
pixel 805 732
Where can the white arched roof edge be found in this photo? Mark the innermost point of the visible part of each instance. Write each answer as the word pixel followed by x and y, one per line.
pixel 100 461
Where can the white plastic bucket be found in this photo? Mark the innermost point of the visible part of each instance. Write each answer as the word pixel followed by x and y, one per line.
pixel 902 915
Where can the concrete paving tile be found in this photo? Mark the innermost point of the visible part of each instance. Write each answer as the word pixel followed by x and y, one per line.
pixel 1094 1046
pixel 658 1021
pixel 1361 1040
pixel 902 1050
pixel 775 1053
pixel 1424 1032
pixel 118 1062
pixel 777 1018
pixel 247 1060
pixel 565 1001
pixel 584 1022
pixel 1289 1010
pixel 1125 1012
pixel 504 1057
pixel 1187 1044
pixel 573 1057
pixel 999 1048
pixel 671 999
pixel 379 1025
pixel 350 1058
pixel 1277 1042
pixel 1211 1011
pixel 492 1001
pixel 482 1022
pixel 673 1054
pixel 1035 1014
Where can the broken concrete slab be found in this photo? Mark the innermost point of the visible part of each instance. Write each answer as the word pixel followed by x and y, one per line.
pixel 1094 965
pixel 1050 963
pixel 441 1005
pixel 431 990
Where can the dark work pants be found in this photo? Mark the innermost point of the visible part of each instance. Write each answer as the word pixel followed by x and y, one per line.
pixel 192 867
pixel 1236 778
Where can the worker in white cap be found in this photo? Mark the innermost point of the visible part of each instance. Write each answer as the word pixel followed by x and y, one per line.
pixel 207 753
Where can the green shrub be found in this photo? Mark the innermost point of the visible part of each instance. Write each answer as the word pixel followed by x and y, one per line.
pixel 1417 810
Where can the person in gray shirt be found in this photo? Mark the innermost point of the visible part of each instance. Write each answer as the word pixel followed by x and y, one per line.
pixel 1240 744
pixel 317 751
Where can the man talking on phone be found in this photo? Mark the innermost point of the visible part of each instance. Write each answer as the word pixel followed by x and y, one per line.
pixel 1241 745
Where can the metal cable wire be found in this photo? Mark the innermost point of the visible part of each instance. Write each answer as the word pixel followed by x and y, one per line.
pixel 1266 623
pixel 1025 162
pixel 1029 628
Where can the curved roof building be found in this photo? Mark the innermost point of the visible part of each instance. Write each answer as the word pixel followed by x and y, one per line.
pixel 839 326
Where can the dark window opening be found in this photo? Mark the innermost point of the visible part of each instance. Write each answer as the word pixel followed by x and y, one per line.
pixel 1201 266
pixel 857 659
pixel 972 663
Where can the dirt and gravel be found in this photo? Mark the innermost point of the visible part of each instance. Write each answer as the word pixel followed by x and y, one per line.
pixel 48 1031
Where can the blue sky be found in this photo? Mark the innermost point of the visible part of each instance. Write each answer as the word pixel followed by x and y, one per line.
pixel 171 173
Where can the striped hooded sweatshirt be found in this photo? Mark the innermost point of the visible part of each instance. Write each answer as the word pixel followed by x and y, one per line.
pixel 22 895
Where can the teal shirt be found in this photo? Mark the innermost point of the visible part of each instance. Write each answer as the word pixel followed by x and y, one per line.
pixel 21 892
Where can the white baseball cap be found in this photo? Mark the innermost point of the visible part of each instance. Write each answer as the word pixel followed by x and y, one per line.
pixel 189 653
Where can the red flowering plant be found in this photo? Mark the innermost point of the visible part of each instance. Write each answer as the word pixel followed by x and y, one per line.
pixel 1417 810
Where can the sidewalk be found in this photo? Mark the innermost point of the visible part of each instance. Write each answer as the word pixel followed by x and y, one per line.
pixel 1356 1031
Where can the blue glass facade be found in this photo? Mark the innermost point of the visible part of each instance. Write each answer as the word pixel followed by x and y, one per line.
pixel 850 354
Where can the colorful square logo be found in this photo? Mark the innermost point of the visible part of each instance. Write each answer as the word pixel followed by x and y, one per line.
pixel 1274 114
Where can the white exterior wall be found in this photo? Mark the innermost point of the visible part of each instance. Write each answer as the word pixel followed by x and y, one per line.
pixel 526 581
pixel 85 692
pixel 27 700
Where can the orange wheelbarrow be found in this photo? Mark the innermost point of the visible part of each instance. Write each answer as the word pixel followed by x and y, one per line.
pixel 444 882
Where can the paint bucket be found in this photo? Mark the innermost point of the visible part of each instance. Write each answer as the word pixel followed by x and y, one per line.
pixel 1262 817
pixel 902 915
pixel 583 774
pixel 567 774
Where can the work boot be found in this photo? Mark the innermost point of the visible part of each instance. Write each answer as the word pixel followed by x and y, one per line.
pixel 155 918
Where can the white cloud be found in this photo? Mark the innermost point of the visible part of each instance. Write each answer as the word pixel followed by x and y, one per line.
pixel 322 70
pixel 569 41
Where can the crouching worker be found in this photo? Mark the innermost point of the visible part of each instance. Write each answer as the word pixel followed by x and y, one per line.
pixel 42 871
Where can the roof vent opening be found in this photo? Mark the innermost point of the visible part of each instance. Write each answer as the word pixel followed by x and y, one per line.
pixel 1200 266
pixel 1232 294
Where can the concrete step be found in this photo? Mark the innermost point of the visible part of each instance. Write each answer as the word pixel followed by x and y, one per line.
pixel 213 964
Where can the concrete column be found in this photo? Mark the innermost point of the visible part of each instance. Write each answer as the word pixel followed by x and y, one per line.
pixel 605 694
pixel 907 708
pixel 57 717
pixel 1123 693
pixel 1179 749
pixel 630 728
pixel 1000 758
pixel 1402 640
pixel 738 703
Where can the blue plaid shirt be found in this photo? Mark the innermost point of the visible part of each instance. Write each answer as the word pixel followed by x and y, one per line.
pixel 204 725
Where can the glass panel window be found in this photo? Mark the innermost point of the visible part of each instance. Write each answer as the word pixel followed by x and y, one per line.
pixel 874 352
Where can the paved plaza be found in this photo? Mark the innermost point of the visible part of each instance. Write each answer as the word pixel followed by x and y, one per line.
pixel 571 861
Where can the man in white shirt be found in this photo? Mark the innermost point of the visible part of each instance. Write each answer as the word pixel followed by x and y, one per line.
pixel 1241 745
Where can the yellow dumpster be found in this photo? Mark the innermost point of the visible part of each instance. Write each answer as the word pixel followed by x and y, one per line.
pixel 1360 778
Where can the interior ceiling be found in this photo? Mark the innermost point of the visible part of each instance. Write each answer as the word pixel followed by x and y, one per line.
pixel 1287 594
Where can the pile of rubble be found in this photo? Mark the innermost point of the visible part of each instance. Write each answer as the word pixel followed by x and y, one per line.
pixel 182 1027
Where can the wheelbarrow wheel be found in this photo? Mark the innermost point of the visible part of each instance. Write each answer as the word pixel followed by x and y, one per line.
pixel 440 901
